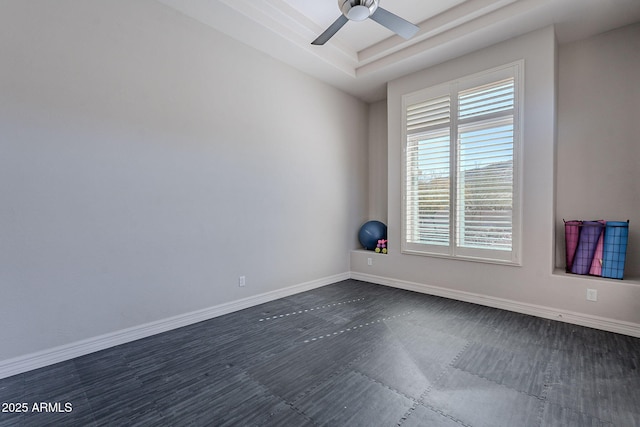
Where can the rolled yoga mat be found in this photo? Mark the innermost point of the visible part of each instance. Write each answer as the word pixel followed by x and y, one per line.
pixel 571 235
pixel 596 265
pixel 616 237
pixel 587 243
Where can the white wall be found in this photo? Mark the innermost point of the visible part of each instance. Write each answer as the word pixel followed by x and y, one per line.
pixel 533 287
pixel 378 161
pixel 147 161
pixel 599 135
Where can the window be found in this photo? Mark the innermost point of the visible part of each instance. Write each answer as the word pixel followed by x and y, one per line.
pixel 461 168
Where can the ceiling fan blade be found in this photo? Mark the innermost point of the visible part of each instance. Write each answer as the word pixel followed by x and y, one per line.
pixel 393 22
pixel 329 32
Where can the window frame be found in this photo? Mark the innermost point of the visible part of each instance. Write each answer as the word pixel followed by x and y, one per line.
pixel 452 89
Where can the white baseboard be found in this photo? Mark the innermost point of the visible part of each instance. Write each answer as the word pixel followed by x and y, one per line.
pixel 48 357
pixel 605 324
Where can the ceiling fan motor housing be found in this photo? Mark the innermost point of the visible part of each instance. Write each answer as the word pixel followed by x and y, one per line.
pixel 358 10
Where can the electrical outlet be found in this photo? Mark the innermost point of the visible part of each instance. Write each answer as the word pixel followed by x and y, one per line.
pixel 241 281
pixel 592 295
pixel 369 261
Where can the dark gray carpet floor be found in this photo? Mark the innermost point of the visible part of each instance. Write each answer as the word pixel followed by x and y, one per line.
pixel 348 354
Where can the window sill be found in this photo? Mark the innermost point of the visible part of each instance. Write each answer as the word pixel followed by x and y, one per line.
pixel 463 258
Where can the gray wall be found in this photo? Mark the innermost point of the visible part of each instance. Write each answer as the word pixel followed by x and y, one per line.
pixel 599 135
pixel 535 287
pixel 147 161
pixel 378 161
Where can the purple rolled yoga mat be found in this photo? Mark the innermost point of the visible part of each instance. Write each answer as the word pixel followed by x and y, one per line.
pixel 587 243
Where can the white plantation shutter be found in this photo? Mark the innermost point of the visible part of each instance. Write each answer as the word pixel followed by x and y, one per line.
pixel 485 166
pixel 428 162
pixel 460 198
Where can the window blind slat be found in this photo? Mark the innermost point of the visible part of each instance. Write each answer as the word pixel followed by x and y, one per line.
pixel 428 114
pixel 486 99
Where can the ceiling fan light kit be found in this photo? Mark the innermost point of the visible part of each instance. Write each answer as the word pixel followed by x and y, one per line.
pixel 360 10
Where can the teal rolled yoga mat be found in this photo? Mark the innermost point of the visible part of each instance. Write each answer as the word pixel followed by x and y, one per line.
pixel 616 236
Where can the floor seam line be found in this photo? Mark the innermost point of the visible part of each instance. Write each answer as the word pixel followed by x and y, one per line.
pixel 354 328
pixel 329 377
pixel 546 385
pixel 498 383
pixel 308 310
pixel 384 385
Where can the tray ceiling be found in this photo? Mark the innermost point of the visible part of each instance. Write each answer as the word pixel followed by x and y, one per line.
pixel 363 56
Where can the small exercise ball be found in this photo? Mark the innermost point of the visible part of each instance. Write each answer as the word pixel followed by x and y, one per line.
pixel 370 233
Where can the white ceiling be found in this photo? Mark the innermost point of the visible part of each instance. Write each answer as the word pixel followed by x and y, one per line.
pixel 363 56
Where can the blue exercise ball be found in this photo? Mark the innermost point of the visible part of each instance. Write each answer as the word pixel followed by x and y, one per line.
pixel 370 233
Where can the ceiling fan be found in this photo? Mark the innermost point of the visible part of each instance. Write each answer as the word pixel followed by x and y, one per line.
pixel 359 10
